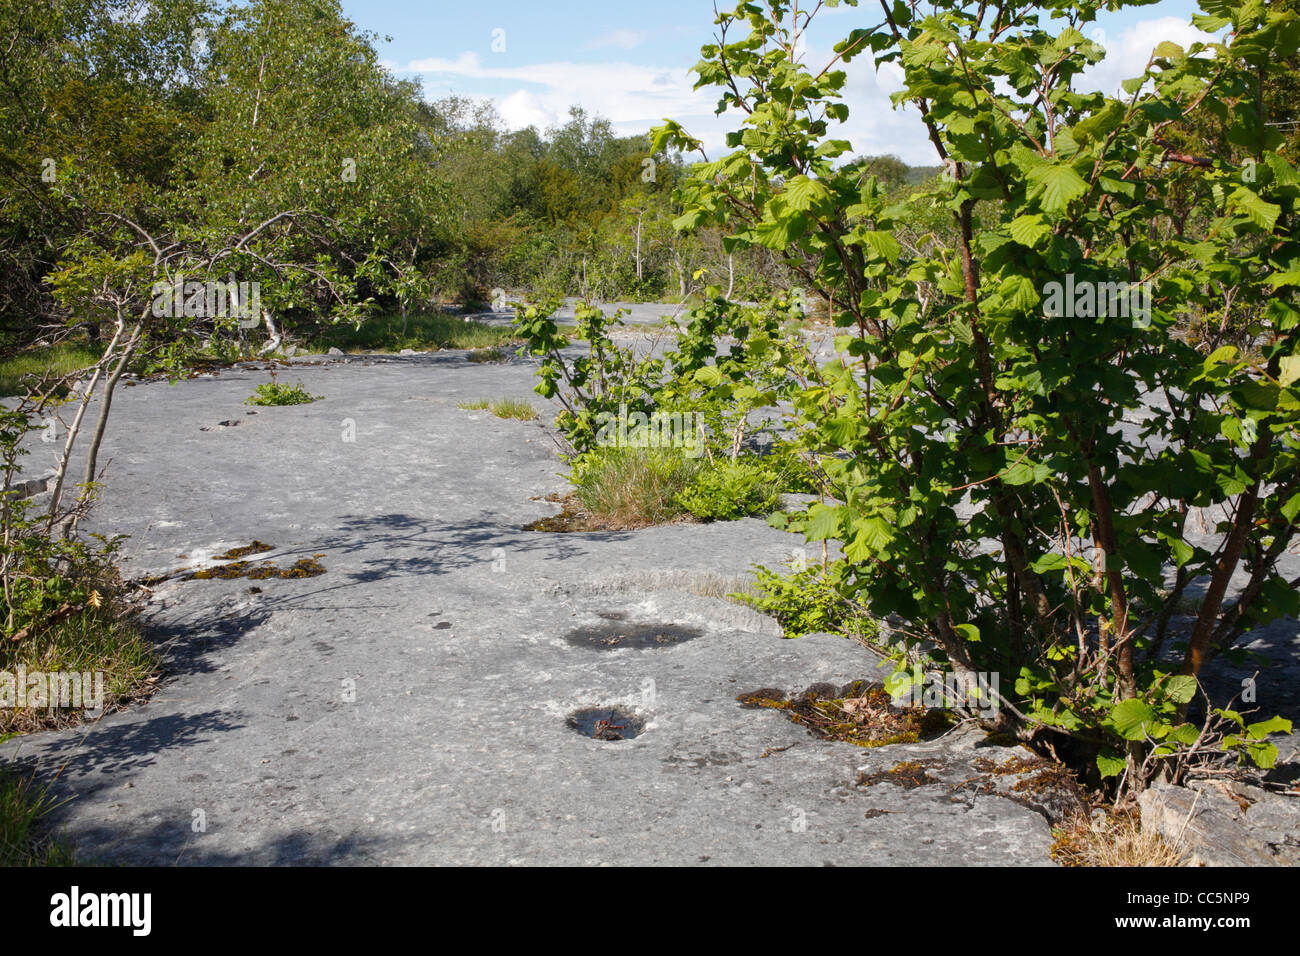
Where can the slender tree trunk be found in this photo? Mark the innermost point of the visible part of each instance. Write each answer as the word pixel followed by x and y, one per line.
pixel 638 246
pixel 274 342
pixel 101 423
pixel 70 441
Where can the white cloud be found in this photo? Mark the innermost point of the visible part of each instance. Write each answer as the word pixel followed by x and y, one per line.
pixel 636 97
pixel 1127 54
pixel 632 97
pixel 523 109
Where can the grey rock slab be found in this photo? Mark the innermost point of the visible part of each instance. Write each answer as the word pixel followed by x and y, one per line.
pixel 410 704
pixel 1213 830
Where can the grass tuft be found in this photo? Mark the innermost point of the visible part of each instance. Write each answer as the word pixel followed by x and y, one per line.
pixel 633 487
pixel 502 408
pixel 23 841
pixel 1118 840
pixel 513 409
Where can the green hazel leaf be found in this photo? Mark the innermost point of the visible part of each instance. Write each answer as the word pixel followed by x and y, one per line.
pixel 1131 717
pixel 782 233
pixel 823 522
pixel 1263 754
pixel 1050 562
pixel 882 244
pixel 1274 725
pixel 1110 763
pixel 1186 734
pixel 1056 184
pixel 1029 229
pixel 1180 688
pixel 1018 293
pixel 1289 370
pixel 1261 212
pixel 802 193
pixel 869 537
pixel 1220 356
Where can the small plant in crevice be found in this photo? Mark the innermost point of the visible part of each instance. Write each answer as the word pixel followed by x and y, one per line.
pixel 508 408
pixel 275 393
pixel 809 600
pixel 633 487
pixel 24 841
pixel 513 409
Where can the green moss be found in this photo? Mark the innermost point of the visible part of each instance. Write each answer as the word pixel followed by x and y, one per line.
pixel 257 547
pixel 302 568
pixel 860 713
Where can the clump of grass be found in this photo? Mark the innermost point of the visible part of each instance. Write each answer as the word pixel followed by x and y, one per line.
pixel 513 409
pixel 390 334
pixel 502 408
pixel 479 356
pixel 1116 840
pixel 18 371
pixel 633 487
pixel 273 393
pixel 65 609
pixel 93 639
pixel 23 841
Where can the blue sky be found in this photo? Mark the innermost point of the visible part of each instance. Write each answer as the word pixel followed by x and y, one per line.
pixel 630 61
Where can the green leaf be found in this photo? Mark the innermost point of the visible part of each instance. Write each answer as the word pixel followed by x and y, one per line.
pixel 1180 689
pixel 882 243
pixel 1110 763
pixel 1050 562
pixel 802 193
pixel 823 522
pixel 1131 717
pixel 1289 366
pixel 1185 734
pixel 1056 185
pixel 1274 725
pixel 1261 212
pixel 1029 230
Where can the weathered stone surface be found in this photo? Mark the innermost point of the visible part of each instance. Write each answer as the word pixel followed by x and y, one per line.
pixel 411 704
pixel 1225 824
pixel 30 487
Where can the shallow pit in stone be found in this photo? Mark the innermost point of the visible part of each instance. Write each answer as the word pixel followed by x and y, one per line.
pixel 606 723
pixel 613 634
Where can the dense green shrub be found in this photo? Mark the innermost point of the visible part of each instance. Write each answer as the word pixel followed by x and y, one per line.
pixel 730 489
pixel 982 478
